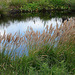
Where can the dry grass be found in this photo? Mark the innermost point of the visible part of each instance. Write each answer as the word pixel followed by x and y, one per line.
pixel 57 61
pixel 35 40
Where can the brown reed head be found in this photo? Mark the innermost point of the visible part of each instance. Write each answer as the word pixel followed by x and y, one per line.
pixel 48 36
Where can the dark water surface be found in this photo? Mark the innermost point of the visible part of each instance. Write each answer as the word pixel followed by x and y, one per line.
pixel 38 21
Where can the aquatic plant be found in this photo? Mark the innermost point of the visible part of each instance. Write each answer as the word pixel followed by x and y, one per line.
pixel 35 40
pixel 50 52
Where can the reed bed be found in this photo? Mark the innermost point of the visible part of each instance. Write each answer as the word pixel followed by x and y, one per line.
pixel 51 52
pixel 35 40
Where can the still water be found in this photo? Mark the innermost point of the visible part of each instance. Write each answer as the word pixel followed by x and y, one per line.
pixel 38 22
pixel 21 26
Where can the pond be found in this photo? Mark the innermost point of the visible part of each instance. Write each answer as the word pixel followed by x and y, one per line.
pixel 21 26
pixel 38 21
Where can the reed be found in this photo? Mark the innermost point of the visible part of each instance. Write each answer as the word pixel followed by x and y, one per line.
pixel 50 52
pixel 36 39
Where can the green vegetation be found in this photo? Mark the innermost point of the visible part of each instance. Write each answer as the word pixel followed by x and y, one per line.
pixel 36 6
pixel 38 63
pixel 44 58
pixel 71 3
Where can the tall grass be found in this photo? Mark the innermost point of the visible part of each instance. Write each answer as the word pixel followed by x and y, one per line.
pixel 50 52
pixel 35 40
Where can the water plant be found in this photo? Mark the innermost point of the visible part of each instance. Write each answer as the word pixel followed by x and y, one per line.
pixel 50 52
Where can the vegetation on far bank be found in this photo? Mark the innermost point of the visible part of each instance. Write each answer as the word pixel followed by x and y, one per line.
pixel 50 53
pixel 35 6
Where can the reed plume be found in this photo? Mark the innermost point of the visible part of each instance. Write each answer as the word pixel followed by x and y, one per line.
pixel 33 39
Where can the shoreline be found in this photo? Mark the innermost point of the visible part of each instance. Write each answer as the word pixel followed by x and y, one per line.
pixel 18 11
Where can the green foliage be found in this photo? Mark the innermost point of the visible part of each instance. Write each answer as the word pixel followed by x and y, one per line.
pixel 17 2
pixel 45 61
pixel 30 7
pixel 37 5
pixel 45 4
pixel 44 70
pixel 59 70
pixel 66 52
pixel 4 5
pixel 71 3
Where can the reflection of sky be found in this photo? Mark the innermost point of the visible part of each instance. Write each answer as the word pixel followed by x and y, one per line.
pixel 21 26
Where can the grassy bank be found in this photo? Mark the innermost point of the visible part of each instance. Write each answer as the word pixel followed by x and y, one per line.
pixel 16 6
pixel 45 58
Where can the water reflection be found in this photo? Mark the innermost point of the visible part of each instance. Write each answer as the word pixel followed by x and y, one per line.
pixel 38 24
pixel 21 26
